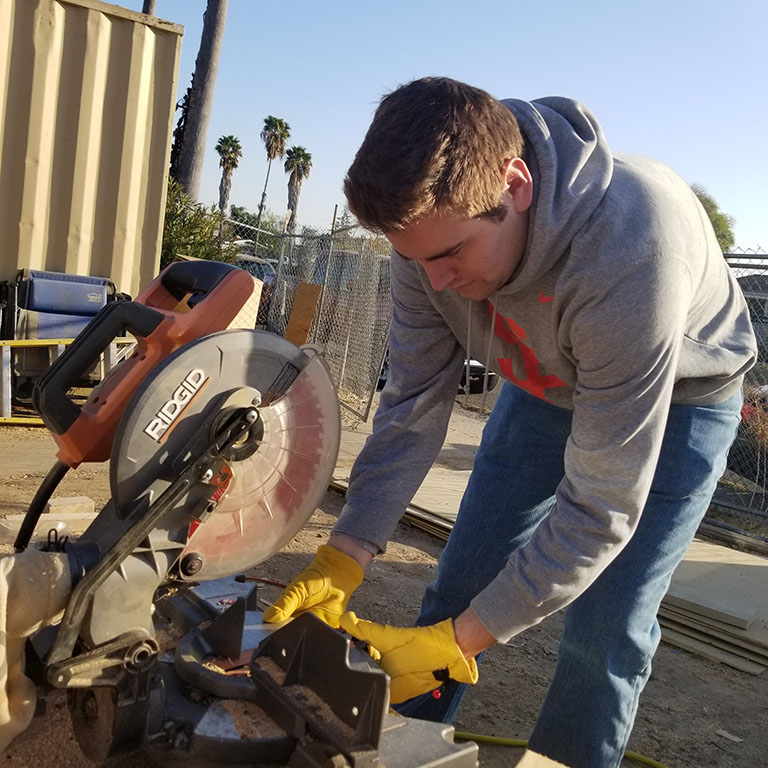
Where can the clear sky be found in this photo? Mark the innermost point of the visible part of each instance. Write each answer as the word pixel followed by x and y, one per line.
pixel 684 81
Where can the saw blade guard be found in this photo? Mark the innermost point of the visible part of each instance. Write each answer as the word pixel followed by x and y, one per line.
pixel 274 490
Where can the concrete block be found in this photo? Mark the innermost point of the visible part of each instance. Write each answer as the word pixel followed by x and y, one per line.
pixel 78 505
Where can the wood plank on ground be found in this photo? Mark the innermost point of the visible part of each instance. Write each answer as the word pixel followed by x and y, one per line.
pixel 756 637
pixel 710 652
pixel 706 637
pixel 735 610
pixel 720 584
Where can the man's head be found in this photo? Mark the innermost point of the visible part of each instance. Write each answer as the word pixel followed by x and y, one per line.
pixel 440 173
pixel 435 146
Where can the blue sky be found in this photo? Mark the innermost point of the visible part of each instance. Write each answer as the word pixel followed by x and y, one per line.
pixel 684 81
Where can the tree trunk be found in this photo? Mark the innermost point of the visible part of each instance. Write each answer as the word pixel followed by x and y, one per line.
pixel 201 98
pixel 225 186
pixel 294 187
pixel 263 195
pixel 149 7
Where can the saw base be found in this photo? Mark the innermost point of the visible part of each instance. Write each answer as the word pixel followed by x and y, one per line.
pixel 305 696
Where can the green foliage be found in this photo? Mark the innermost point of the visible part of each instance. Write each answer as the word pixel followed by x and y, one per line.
pixel 348 234
pixel 722 223
pixel 243 216
pixel 271 223
pixel 274 135
pixel 193 230
pixel 298 162
pixel 230 152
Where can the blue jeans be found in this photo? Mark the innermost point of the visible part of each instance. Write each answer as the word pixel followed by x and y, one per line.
pixel 611 631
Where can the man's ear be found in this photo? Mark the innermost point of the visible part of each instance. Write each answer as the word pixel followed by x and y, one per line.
pixel 519 184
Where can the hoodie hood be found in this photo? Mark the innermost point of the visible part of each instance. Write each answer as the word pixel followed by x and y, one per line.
pixel 572 167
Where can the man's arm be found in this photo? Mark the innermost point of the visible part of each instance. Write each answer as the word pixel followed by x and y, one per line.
pixel 471 636
pixel 350 547
pixel 412 419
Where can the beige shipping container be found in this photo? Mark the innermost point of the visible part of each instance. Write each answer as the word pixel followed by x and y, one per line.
pixel 87 95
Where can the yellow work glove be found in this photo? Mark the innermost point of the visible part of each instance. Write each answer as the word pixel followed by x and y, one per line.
pixel 417 659
pixel 323 588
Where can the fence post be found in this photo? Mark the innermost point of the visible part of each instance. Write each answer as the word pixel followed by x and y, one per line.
pixel 325 276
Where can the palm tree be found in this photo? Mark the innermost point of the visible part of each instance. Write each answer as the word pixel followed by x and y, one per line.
pixel 230 152
pixel 274 135
pixel 298 163
pixel 198 107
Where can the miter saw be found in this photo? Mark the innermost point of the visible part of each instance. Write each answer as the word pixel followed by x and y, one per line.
pixel 221 443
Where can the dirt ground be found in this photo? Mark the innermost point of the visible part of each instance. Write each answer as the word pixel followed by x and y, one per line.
pixel 693 714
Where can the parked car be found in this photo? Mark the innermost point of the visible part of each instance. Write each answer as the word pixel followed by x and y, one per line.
pixel 262 270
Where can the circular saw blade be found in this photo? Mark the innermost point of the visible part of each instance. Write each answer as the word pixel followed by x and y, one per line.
pixel 273 491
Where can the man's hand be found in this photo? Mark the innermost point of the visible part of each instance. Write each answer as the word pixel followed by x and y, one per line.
pixel 417 659
pixel 323 588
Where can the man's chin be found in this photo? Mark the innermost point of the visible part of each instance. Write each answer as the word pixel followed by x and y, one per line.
pixel 475 292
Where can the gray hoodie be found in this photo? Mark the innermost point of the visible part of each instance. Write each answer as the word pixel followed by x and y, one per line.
pixel 621 304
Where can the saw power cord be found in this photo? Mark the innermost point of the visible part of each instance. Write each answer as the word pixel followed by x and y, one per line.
pixel 523 743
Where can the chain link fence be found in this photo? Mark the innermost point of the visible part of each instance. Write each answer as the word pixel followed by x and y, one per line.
pixel 744 487
pixel 350 270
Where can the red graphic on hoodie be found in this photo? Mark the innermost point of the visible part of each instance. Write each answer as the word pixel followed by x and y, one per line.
pixel 511 333
pixel 545 299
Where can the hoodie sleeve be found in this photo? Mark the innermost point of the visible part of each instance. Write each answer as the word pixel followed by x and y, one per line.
pixel 412 419
pixel 621 400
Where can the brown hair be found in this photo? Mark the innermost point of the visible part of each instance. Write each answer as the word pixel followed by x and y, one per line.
pixel 435 146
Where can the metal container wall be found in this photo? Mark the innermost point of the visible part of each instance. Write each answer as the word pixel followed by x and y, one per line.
pixel 87 94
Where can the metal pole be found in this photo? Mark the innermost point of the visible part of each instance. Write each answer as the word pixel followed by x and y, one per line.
pixel 5 381
pixel 325 276
pixel 279 282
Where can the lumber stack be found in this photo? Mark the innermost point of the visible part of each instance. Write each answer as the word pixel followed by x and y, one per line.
pixel 717 606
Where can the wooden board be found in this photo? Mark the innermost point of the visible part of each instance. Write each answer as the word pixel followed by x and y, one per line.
pixel 736 611
pixel 755 637
pixel 302 314
pixel 706 637
pixel 723 584
pixel 710 652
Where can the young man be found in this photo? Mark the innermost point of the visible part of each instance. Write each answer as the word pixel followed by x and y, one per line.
pixel 594 285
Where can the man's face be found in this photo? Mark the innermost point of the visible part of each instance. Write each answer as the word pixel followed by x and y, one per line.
pixel 474 257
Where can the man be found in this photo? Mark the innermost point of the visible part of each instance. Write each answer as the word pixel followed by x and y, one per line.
pixel 594 285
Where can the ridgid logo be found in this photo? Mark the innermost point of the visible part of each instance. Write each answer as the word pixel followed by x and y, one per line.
pixel 169 412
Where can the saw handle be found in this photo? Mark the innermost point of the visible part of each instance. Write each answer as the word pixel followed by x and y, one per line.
pixel 185 301
pixel 49 396
pixel 198 278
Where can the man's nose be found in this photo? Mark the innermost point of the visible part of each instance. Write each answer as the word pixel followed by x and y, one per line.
pixel 439 274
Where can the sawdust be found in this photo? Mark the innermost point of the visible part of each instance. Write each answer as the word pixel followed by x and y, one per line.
pixel 214 667
pixel 271 668
pixel 250 720
pixel 687 703
pixel 321 715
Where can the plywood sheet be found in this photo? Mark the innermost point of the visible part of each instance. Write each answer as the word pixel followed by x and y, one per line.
pixel 721 583
pixel 706 637
pixel 735 611
pixel 710 652
pixel 755 637
pixel 302 313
